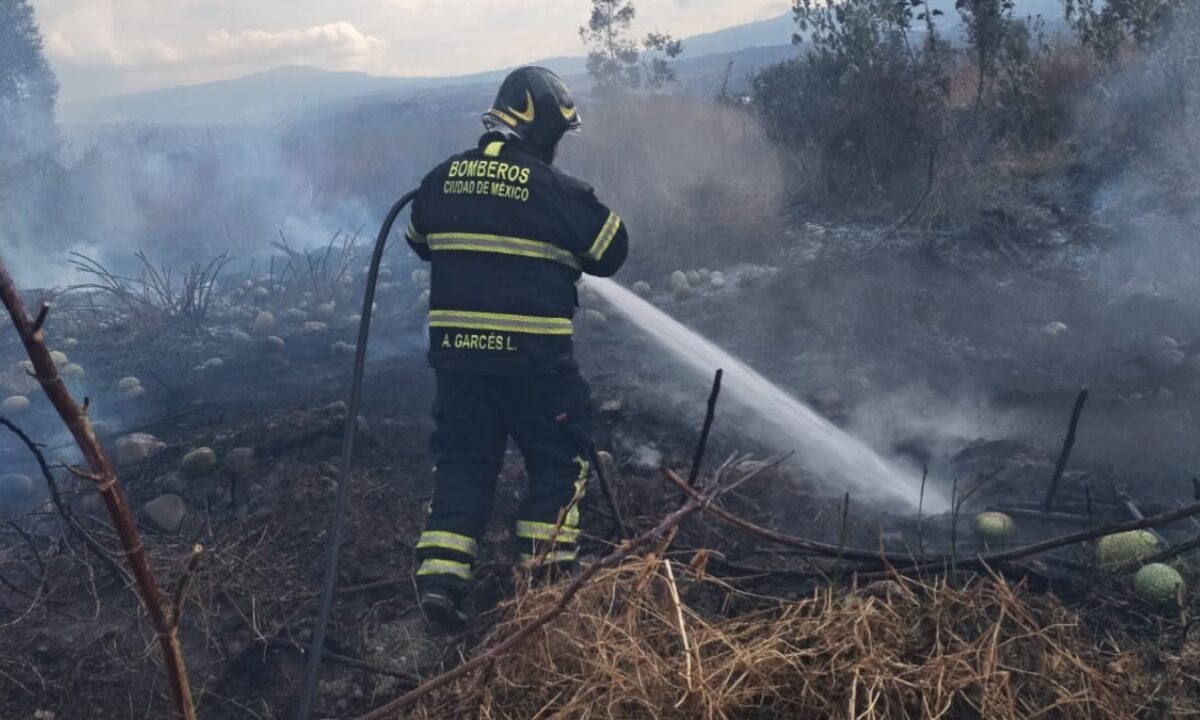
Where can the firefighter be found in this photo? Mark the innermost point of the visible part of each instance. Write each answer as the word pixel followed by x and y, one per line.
pixel 508 235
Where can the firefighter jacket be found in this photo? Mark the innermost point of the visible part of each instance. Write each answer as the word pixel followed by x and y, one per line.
pixel 508 236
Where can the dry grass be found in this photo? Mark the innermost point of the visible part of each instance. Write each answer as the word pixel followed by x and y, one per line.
pixel 989 649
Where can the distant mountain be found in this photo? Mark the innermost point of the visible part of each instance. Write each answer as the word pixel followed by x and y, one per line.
pixel 269 97
pixel 265 98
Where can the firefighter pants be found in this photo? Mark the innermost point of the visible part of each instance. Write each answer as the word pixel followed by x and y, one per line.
pixel 475 415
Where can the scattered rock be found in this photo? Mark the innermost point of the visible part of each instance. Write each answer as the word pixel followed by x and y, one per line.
pixel 678 280
pixel 1168 360
pixel 129 382
pixel 135 392
pixel 420 278
pixel 166 513
pixel 199 461
pixel 72 371
pixel 59 357
pixel 241 459
pixel 327 311
pixel 295 315
pixel 1054 329
pixel 261 292
pixel 265 322
pixel 338 408
pixel 341 347
pixel 1166 342
pixel 594 317
pixel 717 280
pixel 240 337
pixel 315 326
pixel 423 299
pixel 828 399
pixel 646 457
pixel 15 488
pixel 694 278
pixel 137 447
pixel 212 364
pixel 606 458
pixel 275 344
pixel 14 405
pixel 173 483
pixel 682 293
pixel 70 343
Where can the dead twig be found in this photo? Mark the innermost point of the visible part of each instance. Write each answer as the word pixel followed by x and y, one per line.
pixel 709 415
pixel 182 587
pixel 63 509
pixel 1068 443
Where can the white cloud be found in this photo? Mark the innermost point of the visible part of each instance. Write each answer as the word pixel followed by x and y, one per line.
pixel 108 46
pixel 337 42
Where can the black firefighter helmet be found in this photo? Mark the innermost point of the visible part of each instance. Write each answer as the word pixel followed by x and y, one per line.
pixel 535 105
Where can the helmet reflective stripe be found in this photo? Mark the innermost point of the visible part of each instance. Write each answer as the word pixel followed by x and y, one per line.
pixel 530 112
pixel 534 104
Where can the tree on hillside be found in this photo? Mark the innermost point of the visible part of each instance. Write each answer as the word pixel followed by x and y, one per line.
pixel 1109 25
pixel 988 22
pixel 617 62
pixel 28 87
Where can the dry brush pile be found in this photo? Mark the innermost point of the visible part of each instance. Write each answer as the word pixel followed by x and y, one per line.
pixel 639 643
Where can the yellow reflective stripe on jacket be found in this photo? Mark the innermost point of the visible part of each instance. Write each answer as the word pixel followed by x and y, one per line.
pixel 437 566
pixel 493 149
pixel 557 556
pixel 479 242
pixel 500 322
pixel 413 235
pixel 448 541
pixel 528 530
pixel 607 234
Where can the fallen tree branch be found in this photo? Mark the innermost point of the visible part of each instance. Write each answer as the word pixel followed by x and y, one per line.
pixel 694 502
pixel 101 468
pixel 908 564
pixel 809 546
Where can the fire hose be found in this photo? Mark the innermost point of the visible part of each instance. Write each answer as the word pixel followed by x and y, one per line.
pixel 316 646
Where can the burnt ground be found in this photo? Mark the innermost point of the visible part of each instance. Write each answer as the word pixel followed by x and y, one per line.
pixel 933 347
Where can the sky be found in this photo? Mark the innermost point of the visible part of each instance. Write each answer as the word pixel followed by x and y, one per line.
pixel 106 47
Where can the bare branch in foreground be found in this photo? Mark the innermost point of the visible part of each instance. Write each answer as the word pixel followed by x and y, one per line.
pixel 101 469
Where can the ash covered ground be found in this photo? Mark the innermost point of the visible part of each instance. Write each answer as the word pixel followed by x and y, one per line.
pixel 962 352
